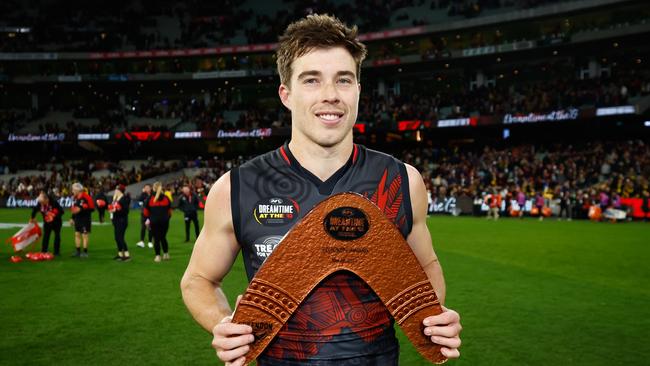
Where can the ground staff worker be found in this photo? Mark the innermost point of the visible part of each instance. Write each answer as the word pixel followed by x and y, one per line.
pixel 189 204
pixel 119 209
pixel 81 209
pixel 158 211
pixel 52 213
pixel 144 229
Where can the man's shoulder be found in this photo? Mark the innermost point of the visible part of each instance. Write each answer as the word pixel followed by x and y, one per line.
pixel 376 154
pixel 263 161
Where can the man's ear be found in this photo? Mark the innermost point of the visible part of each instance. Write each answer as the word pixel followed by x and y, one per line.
pixel 284 93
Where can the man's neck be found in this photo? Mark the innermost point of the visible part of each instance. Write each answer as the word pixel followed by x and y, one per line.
pixel 321 161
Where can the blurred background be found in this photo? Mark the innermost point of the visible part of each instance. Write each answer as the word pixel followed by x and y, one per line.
pixel 537 108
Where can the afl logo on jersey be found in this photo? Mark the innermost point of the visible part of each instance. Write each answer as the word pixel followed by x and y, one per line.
pixel 276 211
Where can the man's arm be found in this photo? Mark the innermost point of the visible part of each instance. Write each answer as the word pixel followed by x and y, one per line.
pixel 34 212
pixel 420 239
pixel 443 329
pixel 214 252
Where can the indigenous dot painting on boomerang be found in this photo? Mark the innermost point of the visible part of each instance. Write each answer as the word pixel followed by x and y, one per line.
pixel 345 232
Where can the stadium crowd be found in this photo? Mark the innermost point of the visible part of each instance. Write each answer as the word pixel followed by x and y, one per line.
pixel 613 168
pixel 141 24
pixel 57 177
pixel 520 97
pixel 599 173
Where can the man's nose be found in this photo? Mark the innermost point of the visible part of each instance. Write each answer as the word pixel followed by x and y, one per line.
pixel 330 94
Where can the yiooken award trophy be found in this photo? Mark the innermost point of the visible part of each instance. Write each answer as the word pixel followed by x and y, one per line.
pixel 345 232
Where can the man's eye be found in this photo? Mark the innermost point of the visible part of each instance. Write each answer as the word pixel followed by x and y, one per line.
pixel 311 81
pixel 345 81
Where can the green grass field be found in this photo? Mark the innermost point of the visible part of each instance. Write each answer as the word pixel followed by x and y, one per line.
pixel 529 293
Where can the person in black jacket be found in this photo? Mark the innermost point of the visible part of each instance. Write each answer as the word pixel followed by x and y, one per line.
pixel 158 211
pixel 100 203
pixel 119 209
pixel 189 204
pixel 143 199
pixel 52 212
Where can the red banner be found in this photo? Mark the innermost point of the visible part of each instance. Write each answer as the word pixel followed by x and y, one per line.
pixel 637 207
pixel 412 125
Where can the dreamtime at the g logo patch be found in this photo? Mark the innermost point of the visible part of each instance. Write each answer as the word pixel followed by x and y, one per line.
pixel 276 211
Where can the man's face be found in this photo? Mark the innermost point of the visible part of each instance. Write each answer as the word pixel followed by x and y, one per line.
pixel 186 190
pixel 147 189
pixel 323 96
pixel 42 199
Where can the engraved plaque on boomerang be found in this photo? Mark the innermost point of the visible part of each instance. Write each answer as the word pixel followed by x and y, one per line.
pixel 345 232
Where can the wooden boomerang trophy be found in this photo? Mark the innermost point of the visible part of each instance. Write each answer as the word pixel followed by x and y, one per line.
pixel 345 232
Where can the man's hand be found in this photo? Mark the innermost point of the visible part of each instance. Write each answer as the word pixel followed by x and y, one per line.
pixel 444 329
pixel 232 340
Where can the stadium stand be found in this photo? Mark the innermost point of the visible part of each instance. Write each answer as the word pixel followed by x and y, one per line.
pixel 486 68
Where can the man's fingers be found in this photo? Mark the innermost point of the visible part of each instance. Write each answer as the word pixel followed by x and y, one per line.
pixel 229 343
pixel 237 302
pixel 233 354
pixel 238 362
pixel 228 329
pixel 450 353
pixel 447 317
pixel 453 342
pixel 444 331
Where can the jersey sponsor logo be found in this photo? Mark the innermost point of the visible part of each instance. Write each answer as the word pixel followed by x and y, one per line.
pixel 276 211
pixel 264 246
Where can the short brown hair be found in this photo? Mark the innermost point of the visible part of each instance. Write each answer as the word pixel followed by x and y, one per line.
pixel 316 31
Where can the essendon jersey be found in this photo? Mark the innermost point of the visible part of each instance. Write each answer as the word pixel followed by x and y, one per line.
pixel 85 204
pixel 120 208
pixel 51 212
pixel 158 211
pixel 269 195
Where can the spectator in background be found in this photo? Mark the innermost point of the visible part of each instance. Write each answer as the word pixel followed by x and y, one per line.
pixel 81 209
pixel 521 201
pixel 539 204
pixel 493 201
pixel 565 205
pixel 52 212
pixel 119 210
pixel 100 202
pixel 189 204
pixel 158 212
pixel 144 229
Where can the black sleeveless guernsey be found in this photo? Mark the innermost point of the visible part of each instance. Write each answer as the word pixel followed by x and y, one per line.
pixel 342 321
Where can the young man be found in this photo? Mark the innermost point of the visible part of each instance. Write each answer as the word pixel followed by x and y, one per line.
pixel 144 229
pixel 52 212
pixel 319 62
pixel 81 209
pixel 189 204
